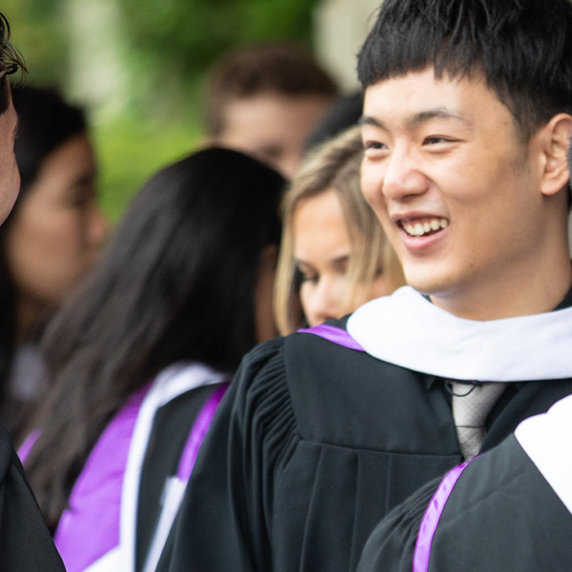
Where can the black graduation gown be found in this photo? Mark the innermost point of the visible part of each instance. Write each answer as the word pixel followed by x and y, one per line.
pixel 25 543
pixel 171 427
pixel 502 515
pixel 313 444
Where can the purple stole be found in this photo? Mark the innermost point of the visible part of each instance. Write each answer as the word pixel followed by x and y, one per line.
pixel 335 335
pixel 90 527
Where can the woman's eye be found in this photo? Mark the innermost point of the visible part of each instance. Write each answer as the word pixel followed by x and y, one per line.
pixel 309 278
pixel 302 276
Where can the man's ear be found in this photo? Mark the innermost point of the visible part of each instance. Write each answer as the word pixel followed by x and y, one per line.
pixel 554 139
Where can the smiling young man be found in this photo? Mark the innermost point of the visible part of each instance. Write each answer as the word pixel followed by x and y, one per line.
pixel 465 129
pixel 509 509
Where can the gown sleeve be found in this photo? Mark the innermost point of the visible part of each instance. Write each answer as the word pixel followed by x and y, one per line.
pixel 228 502
pixel 25 543
pixel 391 546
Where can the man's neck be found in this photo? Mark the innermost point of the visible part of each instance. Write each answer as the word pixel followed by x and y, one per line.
pixel 526 294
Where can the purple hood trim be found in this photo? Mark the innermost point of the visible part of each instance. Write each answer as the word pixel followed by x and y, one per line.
pixel 26 446
pixel 198 433
pixel 89 528
pixel 432 516
pixel 335 335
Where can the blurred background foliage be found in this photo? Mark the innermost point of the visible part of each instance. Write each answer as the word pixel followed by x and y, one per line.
pixel 139 66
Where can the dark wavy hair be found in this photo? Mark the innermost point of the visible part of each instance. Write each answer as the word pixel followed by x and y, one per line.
pixel 45 122
pixel 176 282
pixel 522 47
pixel 11 61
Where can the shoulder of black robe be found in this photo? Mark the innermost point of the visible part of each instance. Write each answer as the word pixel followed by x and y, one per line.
pixel 305 457
pixel 302 462
pixel 25 543
pixel 502 515
pixel 391 546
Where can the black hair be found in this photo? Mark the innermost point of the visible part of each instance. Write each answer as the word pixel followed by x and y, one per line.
pixel 176 282
pixel 46 121
pixel 344 113
pixel 10 62
pixel 523 48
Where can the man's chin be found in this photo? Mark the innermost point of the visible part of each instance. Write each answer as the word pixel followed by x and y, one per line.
pixel 427 283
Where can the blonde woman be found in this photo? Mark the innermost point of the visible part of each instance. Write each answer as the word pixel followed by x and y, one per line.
pixel 334 255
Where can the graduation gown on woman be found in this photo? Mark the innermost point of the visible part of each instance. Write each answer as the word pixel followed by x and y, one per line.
pixel 509 510
pixel 316 442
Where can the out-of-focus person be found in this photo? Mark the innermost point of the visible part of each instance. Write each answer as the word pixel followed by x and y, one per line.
pixel 141 355
pixel 509 509
pixel 334 255
pixel 265 100
pixel 50 239
pixel 25 542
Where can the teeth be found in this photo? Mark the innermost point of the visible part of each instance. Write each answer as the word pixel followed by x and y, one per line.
pixel 419 229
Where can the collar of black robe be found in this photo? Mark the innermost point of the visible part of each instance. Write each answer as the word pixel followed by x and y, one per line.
pixel 407 330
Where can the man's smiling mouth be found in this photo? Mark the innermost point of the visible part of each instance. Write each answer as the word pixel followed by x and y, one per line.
pixel 425 226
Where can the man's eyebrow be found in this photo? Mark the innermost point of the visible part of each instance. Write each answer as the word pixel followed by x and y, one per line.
pixel 437 113
pixel 421 117
pixel 368 120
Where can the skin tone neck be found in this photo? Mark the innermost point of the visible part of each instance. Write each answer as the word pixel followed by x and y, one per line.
pixel 477 216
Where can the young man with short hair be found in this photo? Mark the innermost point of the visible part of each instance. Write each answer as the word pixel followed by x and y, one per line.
pixel 265 100
pixel 509 509
pixel 466 130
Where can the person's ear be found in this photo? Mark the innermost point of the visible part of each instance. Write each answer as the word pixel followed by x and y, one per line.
pixel 554 139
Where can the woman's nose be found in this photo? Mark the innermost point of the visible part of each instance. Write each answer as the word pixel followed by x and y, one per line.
pixel 324 304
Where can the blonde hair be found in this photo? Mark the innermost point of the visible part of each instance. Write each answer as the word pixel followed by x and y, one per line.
pixel 334 166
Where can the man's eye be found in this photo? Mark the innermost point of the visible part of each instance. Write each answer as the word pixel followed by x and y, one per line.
pixel 436 139
pixel 374 145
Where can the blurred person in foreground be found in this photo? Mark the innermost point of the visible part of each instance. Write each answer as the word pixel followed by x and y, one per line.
pixel 142 354
pixel 334 255
pixel 265 100
pixel 25 543
pixel 48 242
pixel 510 509
pixel 465 128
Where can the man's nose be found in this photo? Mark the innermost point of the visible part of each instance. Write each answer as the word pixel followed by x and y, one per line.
pixel 402 176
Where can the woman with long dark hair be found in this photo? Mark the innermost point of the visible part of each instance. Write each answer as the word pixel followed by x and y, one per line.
pixel 141 355
pixel 48 242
